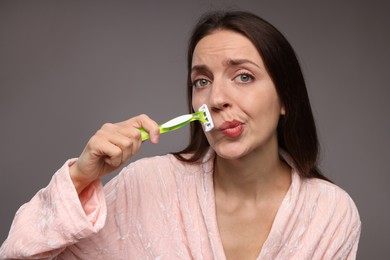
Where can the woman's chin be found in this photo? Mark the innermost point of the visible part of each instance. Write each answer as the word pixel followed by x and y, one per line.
pixel 230 153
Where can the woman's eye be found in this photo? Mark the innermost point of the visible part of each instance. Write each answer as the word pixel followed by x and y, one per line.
pixel 244 78
pixel 200 83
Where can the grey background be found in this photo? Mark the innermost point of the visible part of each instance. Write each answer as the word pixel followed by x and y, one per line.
pixel 67 67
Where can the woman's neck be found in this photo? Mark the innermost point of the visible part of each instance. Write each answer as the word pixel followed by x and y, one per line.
pixel 252 177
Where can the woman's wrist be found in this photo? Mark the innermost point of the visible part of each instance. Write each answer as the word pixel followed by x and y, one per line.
pixel 79 185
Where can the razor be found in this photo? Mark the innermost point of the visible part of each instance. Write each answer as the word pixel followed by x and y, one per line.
pixel 203 115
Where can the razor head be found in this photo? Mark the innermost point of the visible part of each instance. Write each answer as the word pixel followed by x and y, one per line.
pixel 208 122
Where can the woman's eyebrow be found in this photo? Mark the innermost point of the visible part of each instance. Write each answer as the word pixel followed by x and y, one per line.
pixel 236 62
pixel 201 69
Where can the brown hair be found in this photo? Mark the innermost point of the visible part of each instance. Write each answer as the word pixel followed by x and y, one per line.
pixel 296 131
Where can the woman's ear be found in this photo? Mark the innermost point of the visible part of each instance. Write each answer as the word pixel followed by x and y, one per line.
pixel 282 111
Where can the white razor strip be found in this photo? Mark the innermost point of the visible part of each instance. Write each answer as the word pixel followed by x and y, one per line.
pixel 208 122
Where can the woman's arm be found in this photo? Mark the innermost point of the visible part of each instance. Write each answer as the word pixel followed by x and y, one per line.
pixel 55 218
pixel 72 206
pixel 347 234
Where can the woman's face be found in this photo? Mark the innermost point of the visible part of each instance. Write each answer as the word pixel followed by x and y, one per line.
pixel 229 76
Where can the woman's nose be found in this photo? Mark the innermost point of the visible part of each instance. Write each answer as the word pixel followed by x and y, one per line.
pixel 219 97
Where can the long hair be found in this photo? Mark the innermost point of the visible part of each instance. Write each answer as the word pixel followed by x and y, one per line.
pixel 296 130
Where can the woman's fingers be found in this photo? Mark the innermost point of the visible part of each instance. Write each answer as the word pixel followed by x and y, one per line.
pixel 123 140
pixel 110 147
pixel 121 147
pixel 142 121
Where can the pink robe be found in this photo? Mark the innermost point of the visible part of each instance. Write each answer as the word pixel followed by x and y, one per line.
pixel 161 208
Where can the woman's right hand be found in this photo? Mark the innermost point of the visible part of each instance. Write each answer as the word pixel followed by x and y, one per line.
pixel 110 148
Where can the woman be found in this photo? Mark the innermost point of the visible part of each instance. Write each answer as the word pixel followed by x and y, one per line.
pixel 248 189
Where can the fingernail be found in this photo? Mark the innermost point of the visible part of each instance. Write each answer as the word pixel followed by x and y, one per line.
pixel 154 139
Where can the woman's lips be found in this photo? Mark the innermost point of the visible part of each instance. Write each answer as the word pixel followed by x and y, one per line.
pixel 232 129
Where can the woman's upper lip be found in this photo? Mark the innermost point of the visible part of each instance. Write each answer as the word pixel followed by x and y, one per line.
pixel 229 124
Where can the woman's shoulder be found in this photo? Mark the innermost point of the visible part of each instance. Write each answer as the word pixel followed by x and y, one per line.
pixel 329 198
pixel 324 188
pixel 153 162
pixel 149 178
pixel 156 168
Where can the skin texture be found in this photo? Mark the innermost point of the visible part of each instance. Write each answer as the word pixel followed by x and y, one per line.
pixel 250 180
pixel 242 92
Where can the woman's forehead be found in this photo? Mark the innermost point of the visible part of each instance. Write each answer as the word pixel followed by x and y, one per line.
pixel 225 46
